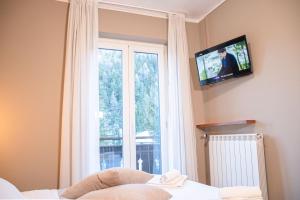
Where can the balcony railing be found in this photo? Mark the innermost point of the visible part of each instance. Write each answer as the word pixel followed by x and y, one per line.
pixel 148 153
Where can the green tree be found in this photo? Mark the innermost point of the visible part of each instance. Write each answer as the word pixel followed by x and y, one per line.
pixel 147 93
pixel 146 82
pixel 110 94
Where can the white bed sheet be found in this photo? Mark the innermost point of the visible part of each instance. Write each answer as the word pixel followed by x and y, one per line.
pixel 194 191
pixel 41 194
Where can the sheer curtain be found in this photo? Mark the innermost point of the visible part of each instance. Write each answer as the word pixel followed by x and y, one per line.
pixel 181 131
pixel 79 139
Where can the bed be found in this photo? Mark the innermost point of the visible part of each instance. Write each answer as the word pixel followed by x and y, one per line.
pixel 190 191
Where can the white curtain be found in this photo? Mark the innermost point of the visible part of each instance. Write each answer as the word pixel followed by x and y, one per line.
pixel 181 131
pixel 79 139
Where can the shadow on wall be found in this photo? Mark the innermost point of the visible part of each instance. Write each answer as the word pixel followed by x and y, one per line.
pixel 194 74
pixel 272 156
pixel 213 91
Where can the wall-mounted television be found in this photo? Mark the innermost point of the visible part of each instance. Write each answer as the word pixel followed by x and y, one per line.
pixel 227 60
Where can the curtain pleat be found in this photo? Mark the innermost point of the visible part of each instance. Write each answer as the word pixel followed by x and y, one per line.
pixel 181 131
pixel 79 134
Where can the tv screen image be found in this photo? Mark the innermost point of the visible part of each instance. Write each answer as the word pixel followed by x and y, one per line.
pixel 224 61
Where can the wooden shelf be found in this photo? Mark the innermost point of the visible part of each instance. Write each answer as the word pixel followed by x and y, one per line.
pixel 216 124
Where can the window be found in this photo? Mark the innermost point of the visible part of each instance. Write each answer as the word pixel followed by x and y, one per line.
pixel 132 105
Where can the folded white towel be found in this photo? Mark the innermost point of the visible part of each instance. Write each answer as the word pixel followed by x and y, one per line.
pixel 170 176
pixel 240 192
pixel 177 182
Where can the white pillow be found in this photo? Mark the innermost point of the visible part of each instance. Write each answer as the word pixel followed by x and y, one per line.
pixel 9 191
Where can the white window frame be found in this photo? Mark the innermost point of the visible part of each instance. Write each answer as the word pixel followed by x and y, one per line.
pixel 128 48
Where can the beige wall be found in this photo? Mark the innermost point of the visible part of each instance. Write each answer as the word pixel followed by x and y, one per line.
pixel 32 37
pixel 122 25
pixel 272 94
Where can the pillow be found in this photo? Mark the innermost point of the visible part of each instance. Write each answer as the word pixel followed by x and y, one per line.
pixel 9 191
pixel 129 176
pixel 129 192
pixel 105 179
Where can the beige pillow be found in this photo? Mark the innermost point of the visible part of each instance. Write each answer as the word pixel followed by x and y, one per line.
pixel 129 176
pixel 129 192
pixel 106 179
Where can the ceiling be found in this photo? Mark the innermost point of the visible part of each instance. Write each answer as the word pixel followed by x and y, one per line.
pixel 194 10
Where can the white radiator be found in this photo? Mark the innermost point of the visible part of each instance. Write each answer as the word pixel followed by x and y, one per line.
pixel 237 160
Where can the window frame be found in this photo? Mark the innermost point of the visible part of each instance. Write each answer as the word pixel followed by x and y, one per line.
pixel 128 49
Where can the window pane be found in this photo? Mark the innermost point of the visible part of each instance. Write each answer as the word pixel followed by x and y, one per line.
pixel 111 108
pixel 147 112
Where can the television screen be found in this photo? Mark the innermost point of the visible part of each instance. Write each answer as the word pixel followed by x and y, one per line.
pixel 224 61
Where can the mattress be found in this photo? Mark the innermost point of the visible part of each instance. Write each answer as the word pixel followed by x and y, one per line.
pixel 191 191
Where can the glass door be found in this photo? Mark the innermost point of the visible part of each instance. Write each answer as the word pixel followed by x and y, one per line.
pixel 132 111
